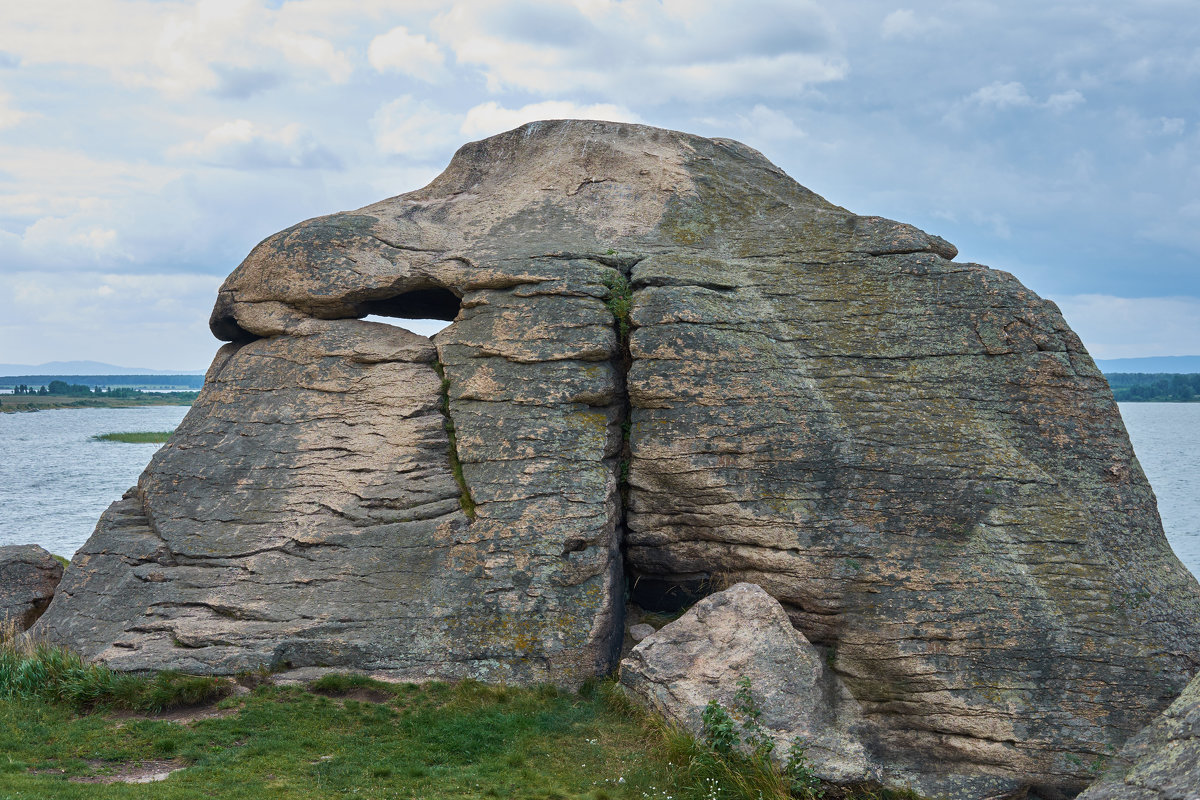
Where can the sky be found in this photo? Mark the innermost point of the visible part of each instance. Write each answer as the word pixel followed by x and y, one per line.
pixel 147 145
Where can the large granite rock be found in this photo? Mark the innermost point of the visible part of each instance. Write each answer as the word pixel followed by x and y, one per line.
pixel 915 456
pixel 1162 762
pixel 28 578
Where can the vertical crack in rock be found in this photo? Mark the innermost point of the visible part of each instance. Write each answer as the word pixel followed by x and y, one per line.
pixel 619 302
pixel 464 499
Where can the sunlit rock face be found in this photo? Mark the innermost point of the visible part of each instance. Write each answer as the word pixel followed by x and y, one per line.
pixel 915 456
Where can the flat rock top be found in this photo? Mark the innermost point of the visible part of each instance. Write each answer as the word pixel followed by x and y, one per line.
pixel 561 187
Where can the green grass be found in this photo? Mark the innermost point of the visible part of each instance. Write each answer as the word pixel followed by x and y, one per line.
pixel 349 736
pixel 437 740
pixel 37 672
pixel 620 303
pixel 136 437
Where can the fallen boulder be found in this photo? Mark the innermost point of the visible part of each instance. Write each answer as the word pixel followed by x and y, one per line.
pixel 28 578
pixel 740 641
pixel 670 366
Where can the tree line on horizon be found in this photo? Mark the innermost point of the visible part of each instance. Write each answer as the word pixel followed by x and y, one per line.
pixel 1155 387
pixel 63 389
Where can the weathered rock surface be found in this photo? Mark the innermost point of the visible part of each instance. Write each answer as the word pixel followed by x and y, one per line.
pixel 28 577
pixel 1162 762
pixel 915 456
pixel 744 633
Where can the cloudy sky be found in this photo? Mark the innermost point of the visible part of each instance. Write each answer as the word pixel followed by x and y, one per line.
pixel 147 145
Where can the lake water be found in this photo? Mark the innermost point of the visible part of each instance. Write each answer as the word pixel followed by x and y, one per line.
pixel 55 479
pixel 1166 438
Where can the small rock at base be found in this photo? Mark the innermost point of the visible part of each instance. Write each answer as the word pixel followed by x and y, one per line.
pixel 641 631
pixel 28 577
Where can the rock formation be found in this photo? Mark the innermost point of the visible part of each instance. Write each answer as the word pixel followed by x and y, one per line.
pixel 915 456
pixel 739 634
pixel 28 577
pixel 1162 762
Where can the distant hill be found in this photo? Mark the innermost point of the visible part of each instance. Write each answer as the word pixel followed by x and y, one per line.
pixel 1150 364
pixel 86 368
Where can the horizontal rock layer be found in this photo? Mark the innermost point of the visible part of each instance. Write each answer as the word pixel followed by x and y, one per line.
pixel 915 456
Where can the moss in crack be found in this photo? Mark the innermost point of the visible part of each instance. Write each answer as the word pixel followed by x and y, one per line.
pixel 620 304
pixel 464 498
pixel 626 453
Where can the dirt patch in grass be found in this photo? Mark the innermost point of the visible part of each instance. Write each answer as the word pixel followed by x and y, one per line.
pixel 130 772
pixel 182 716
pixel 362 694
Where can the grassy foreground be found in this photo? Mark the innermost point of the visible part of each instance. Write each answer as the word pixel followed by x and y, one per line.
pixel 136 437
pixel 69 729
pixel 78 731
pixel 359 738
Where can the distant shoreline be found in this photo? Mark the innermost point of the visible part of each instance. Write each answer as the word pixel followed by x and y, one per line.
pixel 17 403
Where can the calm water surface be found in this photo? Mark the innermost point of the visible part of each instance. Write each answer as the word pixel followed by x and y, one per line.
pixel 1166 438
pixel 55 479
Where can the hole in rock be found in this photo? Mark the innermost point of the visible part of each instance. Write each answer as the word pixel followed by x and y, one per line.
pixel 227 330
pixel 668 594
pixel 424 311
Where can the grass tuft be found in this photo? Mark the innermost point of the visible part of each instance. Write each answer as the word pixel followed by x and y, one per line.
pixel 620 303
pixel 33 670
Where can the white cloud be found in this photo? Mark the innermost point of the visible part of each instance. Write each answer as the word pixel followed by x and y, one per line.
pixel 1002 95
pixel 71 238
pixel 761 127
pixel 1128 327
pixel 9 116
pixel 401 51
pixel 415 128
pixel 904 25
pixel 159 320
pixel 1172 126
pixel 180 47
pixel 1064 101
pixel 241 144
pixel 646 50
pixel 490 118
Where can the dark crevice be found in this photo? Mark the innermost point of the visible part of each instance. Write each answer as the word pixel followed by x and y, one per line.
pixel 619 301
pixel 227 329
pixel 464 498
pixel 667 594
pixel 622 263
